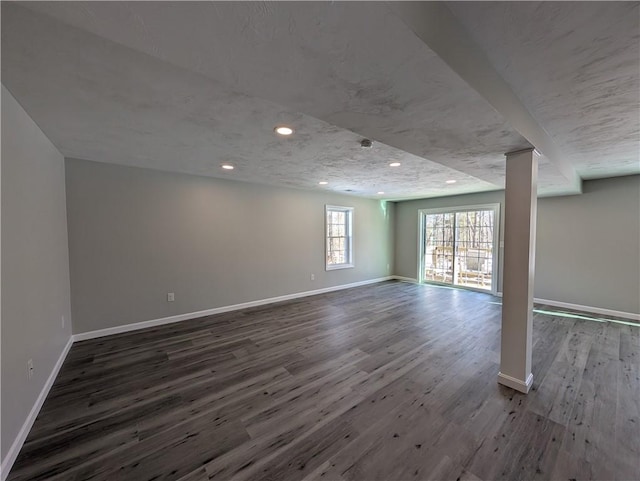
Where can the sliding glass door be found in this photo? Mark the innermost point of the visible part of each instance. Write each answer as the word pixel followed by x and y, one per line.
pixel 459 247
pixel 438 247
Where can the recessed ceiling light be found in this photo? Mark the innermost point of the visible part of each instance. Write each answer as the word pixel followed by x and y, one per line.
pixel 380 193
pixel 227 166
pixel 451 181
pixel 283 130
pixel 323 183
pixel 394 164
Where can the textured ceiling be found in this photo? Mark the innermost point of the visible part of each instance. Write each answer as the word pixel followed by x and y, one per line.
pixel 576 68
pixel 187 86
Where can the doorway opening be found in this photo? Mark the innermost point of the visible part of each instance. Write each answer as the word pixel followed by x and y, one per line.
pixel 459 246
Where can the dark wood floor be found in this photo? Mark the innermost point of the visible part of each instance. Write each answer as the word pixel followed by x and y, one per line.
pixel 392 381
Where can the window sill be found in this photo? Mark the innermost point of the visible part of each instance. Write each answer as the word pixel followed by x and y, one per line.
pixel 339 266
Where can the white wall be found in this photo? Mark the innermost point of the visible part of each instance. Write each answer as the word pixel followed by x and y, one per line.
pixel 35 265
pixel 587 246
pixel 137 234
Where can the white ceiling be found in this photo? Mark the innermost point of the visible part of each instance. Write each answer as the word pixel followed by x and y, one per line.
pixel 576 66
pixel 187 86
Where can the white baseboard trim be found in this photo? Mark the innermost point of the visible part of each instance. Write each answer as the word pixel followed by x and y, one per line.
pixel 15 448
pixel 504 379
pixel 218 310
pixel 13 452
pixel 405 279
pixel 591 309
pixel 517 384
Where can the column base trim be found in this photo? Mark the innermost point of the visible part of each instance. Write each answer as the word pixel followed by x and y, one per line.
pixel 517 384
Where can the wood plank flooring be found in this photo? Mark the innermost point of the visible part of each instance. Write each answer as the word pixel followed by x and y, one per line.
pixel 391 381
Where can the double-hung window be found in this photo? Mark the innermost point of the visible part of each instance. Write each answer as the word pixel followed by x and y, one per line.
pixel 339 237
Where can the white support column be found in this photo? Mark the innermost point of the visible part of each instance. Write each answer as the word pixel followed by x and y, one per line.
pixel 519 265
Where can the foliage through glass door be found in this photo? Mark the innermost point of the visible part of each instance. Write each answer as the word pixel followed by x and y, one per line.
pixel 458 248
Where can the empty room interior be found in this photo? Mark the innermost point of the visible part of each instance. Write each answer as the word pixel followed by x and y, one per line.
pixel 345 241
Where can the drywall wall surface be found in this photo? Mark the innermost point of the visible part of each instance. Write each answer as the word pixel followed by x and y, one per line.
pixel 136 235
pixel 588 246
pixel 35 264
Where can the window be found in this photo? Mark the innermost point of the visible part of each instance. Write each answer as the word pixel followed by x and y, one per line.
pixel 459 246
pixel 339 237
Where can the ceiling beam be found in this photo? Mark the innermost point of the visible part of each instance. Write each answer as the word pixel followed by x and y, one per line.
pixel 440 30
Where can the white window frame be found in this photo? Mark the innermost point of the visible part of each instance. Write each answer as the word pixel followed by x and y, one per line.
pixel 349 237
pixel 422 213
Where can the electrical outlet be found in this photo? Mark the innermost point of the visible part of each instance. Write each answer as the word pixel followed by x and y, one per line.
pixel 171 296
pixel 30 368
pixel 313 277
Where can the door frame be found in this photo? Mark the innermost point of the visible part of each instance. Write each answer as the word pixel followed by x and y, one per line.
pixel 422 213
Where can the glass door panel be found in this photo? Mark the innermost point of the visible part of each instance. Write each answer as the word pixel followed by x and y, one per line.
pixel 438 247
pixel 458 247
pixel 474 249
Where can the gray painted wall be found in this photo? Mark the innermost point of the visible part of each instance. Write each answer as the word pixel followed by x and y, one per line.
pixel 137 234
pixel 35 264
pixel 587 246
